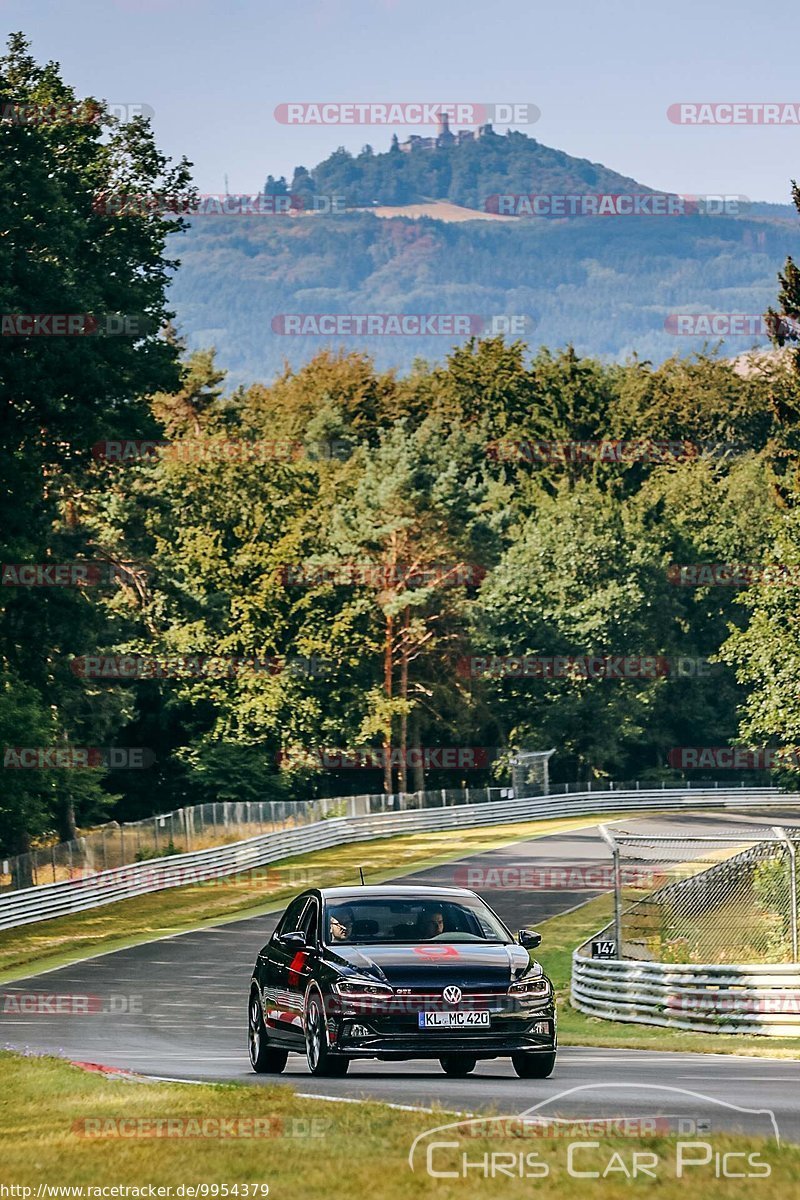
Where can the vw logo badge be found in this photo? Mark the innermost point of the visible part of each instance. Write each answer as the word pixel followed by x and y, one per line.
pixel 452 995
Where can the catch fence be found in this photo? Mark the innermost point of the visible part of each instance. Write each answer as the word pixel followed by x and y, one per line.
pixel 729 896
pixel 704 936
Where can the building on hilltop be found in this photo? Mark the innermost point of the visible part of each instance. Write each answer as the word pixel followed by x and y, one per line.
pixel 444 138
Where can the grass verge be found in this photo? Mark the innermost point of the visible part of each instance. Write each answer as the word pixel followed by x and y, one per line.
pixel 60 1128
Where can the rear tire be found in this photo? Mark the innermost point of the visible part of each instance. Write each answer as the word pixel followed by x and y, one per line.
pixel 320 1060
pixel 264 1058
pixel 458 1065
pixel 533 1065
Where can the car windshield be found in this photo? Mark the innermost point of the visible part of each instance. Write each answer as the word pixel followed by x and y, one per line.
pixel 398 920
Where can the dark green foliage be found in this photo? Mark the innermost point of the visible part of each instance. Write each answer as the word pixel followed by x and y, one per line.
pixel 61 254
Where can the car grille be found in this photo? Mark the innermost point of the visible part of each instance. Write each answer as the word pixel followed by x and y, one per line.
pixel 416 999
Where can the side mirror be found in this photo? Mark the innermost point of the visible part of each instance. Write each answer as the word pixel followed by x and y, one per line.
pixel 293 941
pixel 529 938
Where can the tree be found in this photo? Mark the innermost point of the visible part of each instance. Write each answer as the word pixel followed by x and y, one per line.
pixel 578 580
pixel 413 524
pixel 766 653
pixel 86 206
pixel 276 187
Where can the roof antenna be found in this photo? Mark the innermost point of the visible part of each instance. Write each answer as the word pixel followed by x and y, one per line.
pixel 361 873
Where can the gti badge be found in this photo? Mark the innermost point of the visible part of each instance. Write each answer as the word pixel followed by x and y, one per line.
pixel 452 995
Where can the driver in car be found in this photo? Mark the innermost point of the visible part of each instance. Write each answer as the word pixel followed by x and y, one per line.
pixel 431 923
pixel 341 924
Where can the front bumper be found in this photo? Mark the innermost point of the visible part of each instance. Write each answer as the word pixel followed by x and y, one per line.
pixel 436 1047
pixel 370 1031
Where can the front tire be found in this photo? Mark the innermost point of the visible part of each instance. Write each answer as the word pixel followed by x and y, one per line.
pixel 264 1059
pixel 458 1065
pixel 318 1056
pixel 533 1065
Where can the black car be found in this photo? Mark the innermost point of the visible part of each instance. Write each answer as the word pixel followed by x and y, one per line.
pixel 396 973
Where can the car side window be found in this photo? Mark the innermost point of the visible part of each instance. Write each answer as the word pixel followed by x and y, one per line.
pixel 290 921
pixel 310 922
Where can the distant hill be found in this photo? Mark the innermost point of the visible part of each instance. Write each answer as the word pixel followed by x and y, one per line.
pixel 606 284
pixel 466 173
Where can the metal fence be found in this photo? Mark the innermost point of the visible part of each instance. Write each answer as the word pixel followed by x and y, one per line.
pixel 367 817
pixel 730 896
pixel 201 826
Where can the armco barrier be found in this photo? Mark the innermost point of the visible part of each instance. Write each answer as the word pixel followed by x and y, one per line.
pixel 704 997
pixel 41 903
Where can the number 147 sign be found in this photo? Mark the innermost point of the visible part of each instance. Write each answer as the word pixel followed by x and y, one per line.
pixel 605 949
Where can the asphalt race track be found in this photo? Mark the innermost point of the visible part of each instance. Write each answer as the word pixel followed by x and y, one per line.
pixel 180 1012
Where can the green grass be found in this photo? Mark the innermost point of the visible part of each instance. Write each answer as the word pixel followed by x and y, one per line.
pixel 561 935
pixel 48 944
pixel 357 1151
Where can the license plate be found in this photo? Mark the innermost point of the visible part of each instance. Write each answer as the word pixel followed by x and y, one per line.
pixel 452 1020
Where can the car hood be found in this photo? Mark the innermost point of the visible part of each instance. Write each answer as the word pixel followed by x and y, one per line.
pixel 437 964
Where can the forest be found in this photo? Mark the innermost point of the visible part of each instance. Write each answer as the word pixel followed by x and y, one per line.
pixel 347 578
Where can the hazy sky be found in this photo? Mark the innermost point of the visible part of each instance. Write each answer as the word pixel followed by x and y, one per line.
pixel 603 73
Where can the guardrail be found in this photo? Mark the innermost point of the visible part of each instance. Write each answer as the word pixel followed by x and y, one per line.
pixel 46 901
pixel 219 822
pixel 704 997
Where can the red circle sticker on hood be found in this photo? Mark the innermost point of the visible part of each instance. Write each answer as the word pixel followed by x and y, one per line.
pixel 436 951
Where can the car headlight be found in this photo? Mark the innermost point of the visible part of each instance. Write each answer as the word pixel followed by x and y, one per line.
pixel 536 988
pixel 367 988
